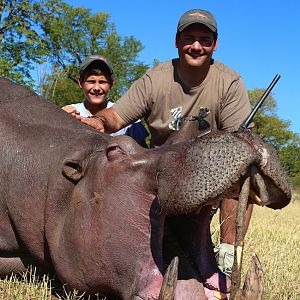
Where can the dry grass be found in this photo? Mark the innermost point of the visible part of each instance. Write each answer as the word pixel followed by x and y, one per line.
pixel 31 287
pixel 14 289
pixel 273 235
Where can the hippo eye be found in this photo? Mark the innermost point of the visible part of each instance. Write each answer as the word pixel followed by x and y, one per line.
pixel 114 151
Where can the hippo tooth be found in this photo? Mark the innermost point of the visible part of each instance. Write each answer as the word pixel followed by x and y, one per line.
pixel 254 197
pixel 220 295
pixel 169 282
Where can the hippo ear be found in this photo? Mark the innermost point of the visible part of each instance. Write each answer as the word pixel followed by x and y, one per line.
pixel 73 169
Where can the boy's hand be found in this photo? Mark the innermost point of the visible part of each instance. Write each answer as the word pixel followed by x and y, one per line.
pixel 71 110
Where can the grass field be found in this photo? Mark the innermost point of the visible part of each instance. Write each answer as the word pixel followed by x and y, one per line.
pixel 273 235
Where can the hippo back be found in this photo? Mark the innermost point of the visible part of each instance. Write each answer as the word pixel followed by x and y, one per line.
pixel 35 138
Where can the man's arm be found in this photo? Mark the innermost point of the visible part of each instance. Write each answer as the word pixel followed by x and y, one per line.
pixel 108 120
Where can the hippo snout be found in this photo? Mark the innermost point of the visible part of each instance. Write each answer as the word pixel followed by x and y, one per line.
pixel 212 166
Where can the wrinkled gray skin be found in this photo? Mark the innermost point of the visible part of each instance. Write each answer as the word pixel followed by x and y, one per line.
pixel 83 205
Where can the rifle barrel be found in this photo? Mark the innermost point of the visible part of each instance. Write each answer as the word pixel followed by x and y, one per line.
pixel 248 120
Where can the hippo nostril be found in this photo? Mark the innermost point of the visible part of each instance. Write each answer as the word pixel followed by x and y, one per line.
pixel 114 151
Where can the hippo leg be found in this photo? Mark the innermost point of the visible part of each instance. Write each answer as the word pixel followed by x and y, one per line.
pixel 11 265
pixel 20 264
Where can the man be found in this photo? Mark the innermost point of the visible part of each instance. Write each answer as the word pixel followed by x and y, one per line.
pixel 96 78
pixel 178 88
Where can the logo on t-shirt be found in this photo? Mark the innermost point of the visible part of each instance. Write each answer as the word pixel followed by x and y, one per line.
pixel 176 114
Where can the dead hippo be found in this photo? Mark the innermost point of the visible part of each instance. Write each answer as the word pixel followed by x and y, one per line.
pixel 105 215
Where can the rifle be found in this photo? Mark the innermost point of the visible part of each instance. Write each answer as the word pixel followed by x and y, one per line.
pixel 248 120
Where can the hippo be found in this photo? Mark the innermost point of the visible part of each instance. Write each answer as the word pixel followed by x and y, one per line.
pixel 107 216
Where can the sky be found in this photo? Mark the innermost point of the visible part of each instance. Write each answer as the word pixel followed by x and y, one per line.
pixel 257 38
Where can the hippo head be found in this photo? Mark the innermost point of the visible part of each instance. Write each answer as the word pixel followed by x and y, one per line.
pixel 133 212
pixel 195 174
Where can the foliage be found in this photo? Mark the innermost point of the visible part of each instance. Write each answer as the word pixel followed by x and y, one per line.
pixel 59 36
pixel 290 157
pixel 22 43
pixel 60 90
pixel 267 124
pixel 276 131
pixel 77 33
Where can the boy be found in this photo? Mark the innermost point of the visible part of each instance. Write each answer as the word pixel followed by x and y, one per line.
pixel 96 78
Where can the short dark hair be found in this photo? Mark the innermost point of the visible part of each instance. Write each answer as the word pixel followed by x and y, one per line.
pixel 95 68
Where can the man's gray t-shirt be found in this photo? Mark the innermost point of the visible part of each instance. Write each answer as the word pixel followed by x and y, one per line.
pixel 162 98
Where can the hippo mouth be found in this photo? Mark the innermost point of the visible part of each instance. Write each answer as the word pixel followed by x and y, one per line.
pixel 182 262
pixel 189 265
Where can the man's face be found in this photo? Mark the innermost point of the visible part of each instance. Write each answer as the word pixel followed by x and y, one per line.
pixel 195 45
pixel 95 88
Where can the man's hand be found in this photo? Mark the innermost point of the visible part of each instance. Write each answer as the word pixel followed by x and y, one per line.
pixel 107 120
pixel 93 121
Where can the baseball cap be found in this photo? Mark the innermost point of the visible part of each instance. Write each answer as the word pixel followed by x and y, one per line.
pixel 199 16
pixel 93 58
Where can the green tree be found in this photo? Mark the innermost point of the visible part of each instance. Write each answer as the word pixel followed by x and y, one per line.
pixel 267 124
pixel 35 32
pixel 276 131
pixel 290 157
pixel 77 33
pixel 22 43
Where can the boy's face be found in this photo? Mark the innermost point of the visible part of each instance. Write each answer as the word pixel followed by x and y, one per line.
pixel 95 88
